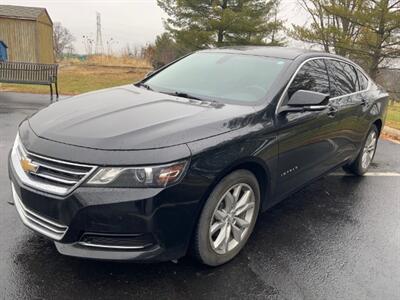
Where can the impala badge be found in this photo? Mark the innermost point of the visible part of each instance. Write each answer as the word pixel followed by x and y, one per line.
pixel 287 172
pixel 28 166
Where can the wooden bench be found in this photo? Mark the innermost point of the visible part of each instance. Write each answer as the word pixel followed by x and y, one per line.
pixel 30 73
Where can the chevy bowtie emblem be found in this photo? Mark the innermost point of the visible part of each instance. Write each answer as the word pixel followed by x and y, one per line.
pixel 28 166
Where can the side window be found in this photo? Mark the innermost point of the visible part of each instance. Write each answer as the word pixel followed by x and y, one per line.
pixel 343 78
pixel 363 80
pixel 313 76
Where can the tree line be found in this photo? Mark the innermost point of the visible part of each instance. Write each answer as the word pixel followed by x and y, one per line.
pixel 367 31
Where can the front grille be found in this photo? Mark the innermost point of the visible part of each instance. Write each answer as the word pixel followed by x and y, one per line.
pixel 48 174
pixel 38 223
pixel 117 241
pixel 57 172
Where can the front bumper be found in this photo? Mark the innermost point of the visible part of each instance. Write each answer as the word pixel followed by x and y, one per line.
pixel 137 224
pixel 37 222
pixel 156 253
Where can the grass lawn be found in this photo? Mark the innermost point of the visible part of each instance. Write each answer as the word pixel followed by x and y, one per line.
pixel 393 116
pixel 80 78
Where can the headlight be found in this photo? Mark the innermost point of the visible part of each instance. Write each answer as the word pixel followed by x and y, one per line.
pixel 139 177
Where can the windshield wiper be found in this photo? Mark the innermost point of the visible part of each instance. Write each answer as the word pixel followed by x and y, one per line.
pixel 178 94
pixel 146 86
pixel 186 95
pixel 190 97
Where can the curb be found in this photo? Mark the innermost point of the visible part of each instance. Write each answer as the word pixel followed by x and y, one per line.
pixel 391 133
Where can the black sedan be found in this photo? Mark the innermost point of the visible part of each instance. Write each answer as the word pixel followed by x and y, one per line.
pixel 185 160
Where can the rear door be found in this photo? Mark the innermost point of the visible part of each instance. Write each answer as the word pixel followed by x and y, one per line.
pixel 307 140
pixel 366 101
pixel 346 96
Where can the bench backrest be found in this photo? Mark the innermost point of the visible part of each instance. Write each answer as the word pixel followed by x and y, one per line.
pixel 21 72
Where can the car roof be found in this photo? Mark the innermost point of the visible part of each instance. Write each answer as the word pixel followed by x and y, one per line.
pixel 279 52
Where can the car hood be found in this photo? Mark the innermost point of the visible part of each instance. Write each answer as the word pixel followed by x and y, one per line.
pixel 131 118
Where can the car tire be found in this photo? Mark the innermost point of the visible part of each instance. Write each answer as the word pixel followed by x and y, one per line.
pixel 227 219
pixel 363 161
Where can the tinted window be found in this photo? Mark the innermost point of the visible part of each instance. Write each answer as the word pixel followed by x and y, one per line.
pixel 311 77
pixel 220 76
pixel 363 80
pixel 343 78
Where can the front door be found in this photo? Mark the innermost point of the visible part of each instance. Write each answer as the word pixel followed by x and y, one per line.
pixel 307 140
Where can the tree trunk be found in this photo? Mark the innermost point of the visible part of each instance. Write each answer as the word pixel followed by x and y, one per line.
pixel 220 35
pixel 377 54
pixel 373 70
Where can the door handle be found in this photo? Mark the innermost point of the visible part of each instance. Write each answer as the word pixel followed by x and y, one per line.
pixel 332 111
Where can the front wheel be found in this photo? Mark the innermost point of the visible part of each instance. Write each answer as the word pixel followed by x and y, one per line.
pixel 361 164
pixel 227 219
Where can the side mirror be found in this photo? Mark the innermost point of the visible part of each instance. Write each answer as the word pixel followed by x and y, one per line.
pixel 303 100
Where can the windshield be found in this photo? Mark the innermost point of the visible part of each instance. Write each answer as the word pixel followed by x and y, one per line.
pixel 219 77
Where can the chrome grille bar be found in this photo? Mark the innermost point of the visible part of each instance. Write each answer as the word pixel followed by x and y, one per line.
pixel 56 179
pixel 36 222
pixel 59 169
pixel 58 161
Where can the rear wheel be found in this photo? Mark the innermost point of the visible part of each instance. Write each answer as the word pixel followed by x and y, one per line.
pixel 361 164
pixel 227 219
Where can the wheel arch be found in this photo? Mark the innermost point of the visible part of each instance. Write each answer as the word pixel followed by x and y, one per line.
pixel 258 168
pixel 378 123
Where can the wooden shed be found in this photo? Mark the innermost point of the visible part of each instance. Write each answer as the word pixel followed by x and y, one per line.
pixel 28 33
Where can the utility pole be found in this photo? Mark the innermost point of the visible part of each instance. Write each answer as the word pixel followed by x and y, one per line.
pixel 99 37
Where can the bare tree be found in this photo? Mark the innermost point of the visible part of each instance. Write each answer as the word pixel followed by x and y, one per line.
pixel 63 39
pixel 364 30
pixel 88 42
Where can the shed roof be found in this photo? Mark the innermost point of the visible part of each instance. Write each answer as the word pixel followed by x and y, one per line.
pixel 4 44
pixel 21 12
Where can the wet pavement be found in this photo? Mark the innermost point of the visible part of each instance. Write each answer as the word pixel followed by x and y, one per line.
pixel 339 238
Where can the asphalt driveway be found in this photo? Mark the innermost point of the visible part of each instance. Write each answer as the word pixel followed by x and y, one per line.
pixel 339 238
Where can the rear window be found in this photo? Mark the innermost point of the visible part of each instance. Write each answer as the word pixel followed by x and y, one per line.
pixel 343 77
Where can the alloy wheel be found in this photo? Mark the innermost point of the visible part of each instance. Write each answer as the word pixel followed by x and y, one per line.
pixel 369 150
pixel 232 218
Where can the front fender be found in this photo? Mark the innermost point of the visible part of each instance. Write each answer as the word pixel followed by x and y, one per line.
pixel 257 151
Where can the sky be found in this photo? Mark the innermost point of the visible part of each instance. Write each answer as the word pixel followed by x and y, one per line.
pixel 126 22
